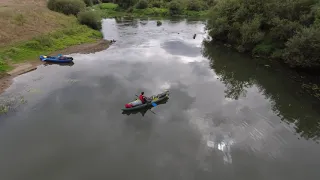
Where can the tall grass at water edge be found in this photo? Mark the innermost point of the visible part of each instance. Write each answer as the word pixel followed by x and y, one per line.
pixel 45 44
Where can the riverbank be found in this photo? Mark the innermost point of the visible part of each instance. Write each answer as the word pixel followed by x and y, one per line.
pixel 109 10
pixel 31 64
pixel 75 34
pixel 290 38
pixel 34 30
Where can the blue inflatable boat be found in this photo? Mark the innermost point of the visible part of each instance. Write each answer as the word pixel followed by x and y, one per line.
pixel 56 59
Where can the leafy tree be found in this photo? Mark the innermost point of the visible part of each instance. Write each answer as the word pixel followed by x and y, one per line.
pixel 142 4
pixel 125 4
pixel 194 5
pixel 285 29
pixel 175 7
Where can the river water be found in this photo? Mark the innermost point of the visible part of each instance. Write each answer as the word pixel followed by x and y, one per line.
pixel 228 117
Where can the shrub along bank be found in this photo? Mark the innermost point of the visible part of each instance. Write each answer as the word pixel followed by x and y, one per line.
pixel 78 8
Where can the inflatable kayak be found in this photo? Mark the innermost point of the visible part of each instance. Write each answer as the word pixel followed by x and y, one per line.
pixel 137 104
pixel 56 59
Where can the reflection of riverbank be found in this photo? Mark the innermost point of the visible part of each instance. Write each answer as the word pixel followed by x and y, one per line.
pixel 290 103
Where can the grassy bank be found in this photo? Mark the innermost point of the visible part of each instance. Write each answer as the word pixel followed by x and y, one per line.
pixel 109 10
pixel 36 30
pixel 44 44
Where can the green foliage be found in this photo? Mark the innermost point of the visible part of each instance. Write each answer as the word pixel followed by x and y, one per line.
pixel 157 4
pixel 91 2
pixel 302 50
pixel 249 25
pixel 66 6
pixel 142 4
pixel 175 8
pixel 43 41
pixel 198 14
pixel 211 3
pixel 263 49
pixel 162 12
pixel 194 5
pixel 96 1
pixel 125 4
pixel 3 66
pixel 161 9
pixel 109 6
pixel 90 18
pixel 88 2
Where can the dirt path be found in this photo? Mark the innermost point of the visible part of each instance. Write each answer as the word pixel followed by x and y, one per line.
pixel 6 78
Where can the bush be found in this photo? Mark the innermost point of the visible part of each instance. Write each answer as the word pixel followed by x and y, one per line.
pixel 142 4
pixel 96 1
pixel 194 5
pixel 125 4
pixel 211 3
pixel 66 6
pixel 156 4
pixel 175 8
pixel 88 2
pixel 302 50
pixel 280 29
pixel 90 18
pixel 159 23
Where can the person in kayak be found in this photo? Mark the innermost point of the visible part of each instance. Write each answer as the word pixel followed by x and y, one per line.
pixel 142 98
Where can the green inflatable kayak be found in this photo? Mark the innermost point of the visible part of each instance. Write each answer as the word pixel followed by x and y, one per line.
pixel 153 102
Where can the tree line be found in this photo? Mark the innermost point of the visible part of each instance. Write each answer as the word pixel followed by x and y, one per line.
pixel 286 30
pixel 92 19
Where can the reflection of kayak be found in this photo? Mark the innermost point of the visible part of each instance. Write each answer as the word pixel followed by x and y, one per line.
pixel 154 99
pixel 56 59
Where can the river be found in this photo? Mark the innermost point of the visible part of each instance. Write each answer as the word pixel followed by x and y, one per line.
pixel 228 117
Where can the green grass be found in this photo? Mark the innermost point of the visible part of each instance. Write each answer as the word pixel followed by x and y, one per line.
pixel 111 13
pixel 109 6
pixel 73 35
pixel 3 66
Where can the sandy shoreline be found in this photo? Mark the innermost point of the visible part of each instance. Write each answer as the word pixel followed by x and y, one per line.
pixel 6 78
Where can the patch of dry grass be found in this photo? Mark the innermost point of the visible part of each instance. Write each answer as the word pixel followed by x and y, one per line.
pixel 24 19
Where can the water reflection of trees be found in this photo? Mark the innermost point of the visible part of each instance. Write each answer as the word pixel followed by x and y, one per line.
pixel 239 73
pixel 236 81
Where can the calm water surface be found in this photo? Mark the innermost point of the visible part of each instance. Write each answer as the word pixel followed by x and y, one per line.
pixel 228 117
